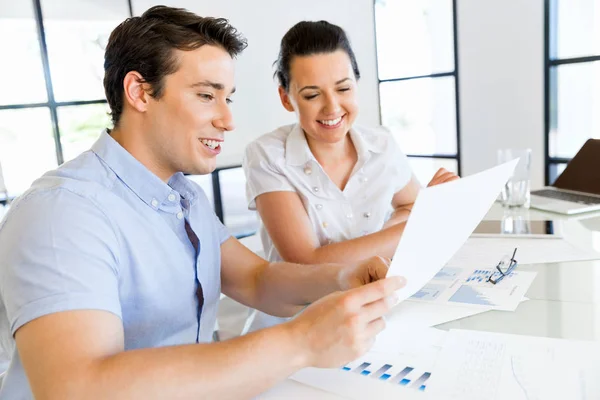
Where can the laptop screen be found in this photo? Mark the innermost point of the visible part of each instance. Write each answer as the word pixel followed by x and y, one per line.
pixel 582 174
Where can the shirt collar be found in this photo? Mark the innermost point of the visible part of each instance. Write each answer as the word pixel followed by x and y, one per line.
pixel 147 186
pixel 297 151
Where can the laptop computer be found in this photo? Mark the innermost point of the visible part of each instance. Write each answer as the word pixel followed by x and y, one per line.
pixel 577 189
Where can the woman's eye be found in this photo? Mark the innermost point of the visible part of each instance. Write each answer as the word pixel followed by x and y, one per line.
pixel 310 97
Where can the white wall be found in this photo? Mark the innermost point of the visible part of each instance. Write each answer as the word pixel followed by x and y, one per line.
pixel 257 109
pixel 501 68
pixel 501 81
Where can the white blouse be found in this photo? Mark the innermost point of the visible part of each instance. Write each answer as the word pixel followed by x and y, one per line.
pixel 282 161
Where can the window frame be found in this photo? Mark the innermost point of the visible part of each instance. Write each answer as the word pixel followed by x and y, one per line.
pixel 454 73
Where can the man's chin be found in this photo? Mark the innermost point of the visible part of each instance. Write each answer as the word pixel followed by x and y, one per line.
pixel 204 169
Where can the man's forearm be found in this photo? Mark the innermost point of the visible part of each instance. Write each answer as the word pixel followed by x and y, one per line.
pixel 234 369
pixel 284 289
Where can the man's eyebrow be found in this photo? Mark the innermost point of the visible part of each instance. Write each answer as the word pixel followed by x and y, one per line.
pixel 214 85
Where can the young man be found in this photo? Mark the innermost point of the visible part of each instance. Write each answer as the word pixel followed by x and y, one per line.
pixel 111 266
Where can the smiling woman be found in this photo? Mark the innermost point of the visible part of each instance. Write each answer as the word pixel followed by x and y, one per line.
pixel 326 189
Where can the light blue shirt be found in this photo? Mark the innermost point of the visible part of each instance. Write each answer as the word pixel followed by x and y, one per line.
pixel 102 232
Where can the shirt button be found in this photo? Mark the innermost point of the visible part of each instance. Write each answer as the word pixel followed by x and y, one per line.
pixel 315 189
pixel 154 203
pixel 171 197
pixel 319 206
pixel 367 215
pixel 307 170
pixel 179 215
pixel 325 224
pixel 364 179
pixel 349 216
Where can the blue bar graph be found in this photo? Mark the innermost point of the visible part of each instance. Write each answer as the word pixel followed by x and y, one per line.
pixel 398 378
pixel 361 368
pixel 383 373
pixel 380 372
pixel 419 384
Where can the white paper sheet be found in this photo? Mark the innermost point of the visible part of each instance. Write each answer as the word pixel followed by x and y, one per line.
pixel 397 367
pixel 441 220
pixel 410 314
pixel 483 366
pixel 486 252
pixel 469 287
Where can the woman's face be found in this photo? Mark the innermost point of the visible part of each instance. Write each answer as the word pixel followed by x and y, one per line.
pixel 323 94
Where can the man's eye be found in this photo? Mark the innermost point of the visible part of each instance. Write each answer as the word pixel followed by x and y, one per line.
pixel 205 96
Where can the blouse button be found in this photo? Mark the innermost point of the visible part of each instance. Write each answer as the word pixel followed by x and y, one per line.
pixel 307 170
pixel 319 206
pixel 325 224
pixel 367 215
pixel 316 189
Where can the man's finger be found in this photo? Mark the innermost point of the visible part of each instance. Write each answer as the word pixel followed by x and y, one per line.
pixel 375 327
pixel 379 308
pixel 376 290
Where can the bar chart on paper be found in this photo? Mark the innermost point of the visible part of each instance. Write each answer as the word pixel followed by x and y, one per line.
pixel 471 288
pixel 407 373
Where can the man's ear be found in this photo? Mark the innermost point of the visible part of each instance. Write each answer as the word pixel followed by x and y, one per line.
pixel 285 99
pixel 135 91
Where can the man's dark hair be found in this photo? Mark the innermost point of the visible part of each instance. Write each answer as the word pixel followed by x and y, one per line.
pixel 307 38
pixel 146 44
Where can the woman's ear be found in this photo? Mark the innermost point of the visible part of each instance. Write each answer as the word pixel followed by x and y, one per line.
pixel 285 99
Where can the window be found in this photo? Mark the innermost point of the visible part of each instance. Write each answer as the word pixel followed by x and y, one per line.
pixel 418 78
pixel 572 80
pixel 52 93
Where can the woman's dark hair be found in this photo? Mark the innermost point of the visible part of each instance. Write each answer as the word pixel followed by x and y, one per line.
pixel 307 38
pixel 145 44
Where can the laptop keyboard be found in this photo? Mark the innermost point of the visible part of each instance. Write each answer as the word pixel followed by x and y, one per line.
pixel 576 198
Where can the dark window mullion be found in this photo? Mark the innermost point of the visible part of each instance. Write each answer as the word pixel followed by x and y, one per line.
pixel 456 92
pixel 575 60
pixel 49 89
pixel 440 156
pixel 408 78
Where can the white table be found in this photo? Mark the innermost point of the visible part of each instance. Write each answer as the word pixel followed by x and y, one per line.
pixel 565 298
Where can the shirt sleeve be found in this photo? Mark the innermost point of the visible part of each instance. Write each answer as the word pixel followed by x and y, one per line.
pixel 262 173
pixel 222 232
pixel 59 253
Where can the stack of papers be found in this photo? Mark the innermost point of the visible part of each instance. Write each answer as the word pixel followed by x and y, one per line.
pixel 481 365
pixel 398 366
pixel 465 365
pixel 442 219
pixel 470 288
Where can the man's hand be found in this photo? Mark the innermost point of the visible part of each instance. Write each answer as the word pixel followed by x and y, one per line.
pixel 442 176
pixel 366 271
pixel 342 326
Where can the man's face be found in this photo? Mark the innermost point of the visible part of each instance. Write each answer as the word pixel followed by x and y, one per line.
pixel 187 123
